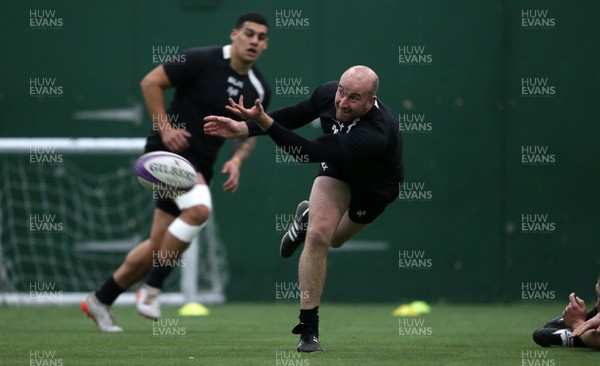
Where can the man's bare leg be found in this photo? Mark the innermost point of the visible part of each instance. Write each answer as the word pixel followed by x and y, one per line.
pixel 195 208
pixel 136 265
pixel 329 200
pixel 345 231
pixel 138 262
pixel 328 225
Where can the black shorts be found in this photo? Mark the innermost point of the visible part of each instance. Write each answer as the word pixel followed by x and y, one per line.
pixel 366 202
pixel 154 143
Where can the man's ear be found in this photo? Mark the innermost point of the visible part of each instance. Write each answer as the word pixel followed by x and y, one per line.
pixel 372 101
pixel 234 33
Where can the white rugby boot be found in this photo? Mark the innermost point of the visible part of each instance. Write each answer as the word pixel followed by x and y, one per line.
pixel 101 314
pixel 146 298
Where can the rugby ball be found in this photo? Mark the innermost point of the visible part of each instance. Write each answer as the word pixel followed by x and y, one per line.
pixel 165 171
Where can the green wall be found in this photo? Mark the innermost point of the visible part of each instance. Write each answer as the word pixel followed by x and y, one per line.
pixel 468 95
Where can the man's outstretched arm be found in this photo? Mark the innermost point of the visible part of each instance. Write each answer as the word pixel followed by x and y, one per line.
pixel 325 148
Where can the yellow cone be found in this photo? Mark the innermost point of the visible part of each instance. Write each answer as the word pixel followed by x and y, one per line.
pixel 194 309
pixel 405 310
pixel 421 307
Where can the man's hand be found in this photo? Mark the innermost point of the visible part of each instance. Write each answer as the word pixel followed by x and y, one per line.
pixel 224 127
pixel 593 323
pixel 232 168
pixel 256 113
pixel 175 139
pixel 575 312
pixel 228 128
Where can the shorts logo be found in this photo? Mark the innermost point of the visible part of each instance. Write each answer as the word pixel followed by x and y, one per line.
pixel 361 213
pixel 324 166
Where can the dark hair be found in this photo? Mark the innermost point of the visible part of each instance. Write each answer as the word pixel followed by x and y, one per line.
pixel 251 17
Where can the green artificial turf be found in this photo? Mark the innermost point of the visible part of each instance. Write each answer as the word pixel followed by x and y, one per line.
pixel 259 334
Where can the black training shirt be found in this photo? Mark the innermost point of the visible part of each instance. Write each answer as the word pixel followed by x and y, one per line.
pixel 203 82
pixel 369 149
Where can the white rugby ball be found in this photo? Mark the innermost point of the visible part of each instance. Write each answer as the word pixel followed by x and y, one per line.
pixel 165 171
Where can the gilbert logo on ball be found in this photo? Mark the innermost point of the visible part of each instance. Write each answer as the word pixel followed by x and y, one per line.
pixel 165 171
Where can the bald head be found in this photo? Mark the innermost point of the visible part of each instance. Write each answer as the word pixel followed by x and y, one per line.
pixel 364 77
pixel 356 93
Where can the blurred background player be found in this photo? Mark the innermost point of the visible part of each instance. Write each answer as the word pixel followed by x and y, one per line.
pixel 204 79
pixel 361 168
pixel 575 328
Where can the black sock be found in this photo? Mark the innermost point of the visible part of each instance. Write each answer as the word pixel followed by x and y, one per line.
pixel 577 342
pixel 158 275
pixel 109 291
pixel 310 319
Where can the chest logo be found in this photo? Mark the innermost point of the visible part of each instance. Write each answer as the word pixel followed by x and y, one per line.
pixel 233 92
pixel 340 126
pixel 235 82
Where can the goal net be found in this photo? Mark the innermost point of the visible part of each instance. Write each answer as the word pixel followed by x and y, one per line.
pixel 71 209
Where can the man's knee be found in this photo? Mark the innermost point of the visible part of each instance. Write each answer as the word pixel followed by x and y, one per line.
pixel 195 204
pixel 318 237
pixel 189 223
pixel 336 243
pixel 196 215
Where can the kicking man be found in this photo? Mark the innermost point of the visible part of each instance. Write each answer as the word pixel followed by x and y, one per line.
pixel 361 168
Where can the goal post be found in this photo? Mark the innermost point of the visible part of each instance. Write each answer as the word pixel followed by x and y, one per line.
pixel 71 209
